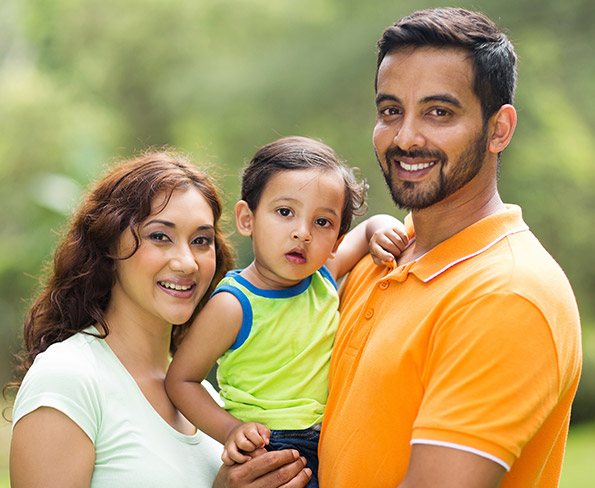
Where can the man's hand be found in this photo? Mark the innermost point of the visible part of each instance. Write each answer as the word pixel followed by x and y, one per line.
pixel 266 470
pixel 245 438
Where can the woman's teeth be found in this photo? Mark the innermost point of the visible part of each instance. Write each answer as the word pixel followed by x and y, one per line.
pixel 173 286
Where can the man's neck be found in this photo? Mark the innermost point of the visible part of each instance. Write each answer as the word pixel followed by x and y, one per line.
pixel 435 224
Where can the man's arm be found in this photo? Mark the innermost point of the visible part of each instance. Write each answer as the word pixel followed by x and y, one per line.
pixel 436 466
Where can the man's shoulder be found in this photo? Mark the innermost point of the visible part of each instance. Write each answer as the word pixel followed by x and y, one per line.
pixel 527 267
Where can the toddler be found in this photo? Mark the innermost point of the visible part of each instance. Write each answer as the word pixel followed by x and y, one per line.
pixel 271 326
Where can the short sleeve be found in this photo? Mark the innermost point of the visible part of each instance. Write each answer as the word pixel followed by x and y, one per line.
pixel 491 378
pixel 64 381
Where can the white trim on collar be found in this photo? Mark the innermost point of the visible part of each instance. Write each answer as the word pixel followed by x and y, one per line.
pixel 464 258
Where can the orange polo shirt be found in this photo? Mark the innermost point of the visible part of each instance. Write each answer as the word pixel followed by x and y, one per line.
pixel 474 346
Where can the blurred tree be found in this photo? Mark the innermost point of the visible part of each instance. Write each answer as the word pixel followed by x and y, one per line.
pixel 84 81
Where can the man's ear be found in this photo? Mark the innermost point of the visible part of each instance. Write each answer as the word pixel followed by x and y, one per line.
pixel 336 246
pixel 244 218
pixel 502 125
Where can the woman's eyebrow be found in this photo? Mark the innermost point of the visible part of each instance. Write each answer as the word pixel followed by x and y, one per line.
pixel 172 225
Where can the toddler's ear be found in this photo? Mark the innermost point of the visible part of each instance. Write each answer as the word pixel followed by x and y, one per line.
pixel 244 217
pixel 336 246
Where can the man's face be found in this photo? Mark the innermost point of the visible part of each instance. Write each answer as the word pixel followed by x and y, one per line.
pixel 429 136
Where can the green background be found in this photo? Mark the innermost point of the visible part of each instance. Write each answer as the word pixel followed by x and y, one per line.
pixel 83 82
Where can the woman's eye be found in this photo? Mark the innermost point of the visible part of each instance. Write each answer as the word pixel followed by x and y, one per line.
pixel 203 241
pixel 284 212
pixel 158 236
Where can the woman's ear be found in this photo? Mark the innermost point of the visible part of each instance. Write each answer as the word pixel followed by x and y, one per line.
pixel 502 125
pixel 244 218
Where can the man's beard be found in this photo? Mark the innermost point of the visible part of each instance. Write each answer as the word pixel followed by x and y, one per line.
pixel 406 194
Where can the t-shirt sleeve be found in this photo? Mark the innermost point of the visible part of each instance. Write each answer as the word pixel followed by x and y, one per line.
pixel 491 378
pixel 64 382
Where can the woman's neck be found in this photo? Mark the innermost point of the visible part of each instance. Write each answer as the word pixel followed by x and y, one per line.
pixel 142 346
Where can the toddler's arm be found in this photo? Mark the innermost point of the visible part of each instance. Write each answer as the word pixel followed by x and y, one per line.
pixel 383 236
pixel 213 331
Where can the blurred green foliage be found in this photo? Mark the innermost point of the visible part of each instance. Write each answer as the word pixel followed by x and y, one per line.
pixel 85 81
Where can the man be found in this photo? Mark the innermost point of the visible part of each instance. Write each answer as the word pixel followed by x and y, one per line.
pixel 457 366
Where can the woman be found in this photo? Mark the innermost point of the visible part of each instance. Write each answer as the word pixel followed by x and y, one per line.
pixel 142 253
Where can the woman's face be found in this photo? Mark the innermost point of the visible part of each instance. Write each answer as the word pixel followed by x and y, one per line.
pixel 166 277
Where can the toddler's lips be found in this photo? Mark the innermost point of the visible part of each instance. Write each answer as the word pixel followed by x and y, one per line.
pixel 297 256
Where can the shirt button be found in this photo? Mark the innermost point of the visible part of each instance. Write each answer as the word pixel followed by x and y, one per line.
pixel 369 313
pixel 384 284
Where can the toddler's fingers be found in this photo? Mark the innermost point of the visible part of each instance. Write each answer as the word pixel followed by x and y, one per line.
pixel 236 455
pixel 265 433
pixel 251 441
pixel 398 240
pixel 380 256
pixel 226 458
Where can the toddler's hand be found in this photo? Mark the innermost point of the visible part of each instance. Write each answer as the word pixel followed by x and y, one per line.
pixel 388 243
pixel 246 437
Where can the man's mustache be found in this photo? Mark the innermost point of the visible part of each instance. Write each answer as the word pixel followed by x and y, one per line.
pixel 397 153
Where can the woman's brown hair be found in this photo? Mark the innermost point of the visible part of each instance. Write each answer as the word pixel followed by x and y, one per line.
pixel 78 286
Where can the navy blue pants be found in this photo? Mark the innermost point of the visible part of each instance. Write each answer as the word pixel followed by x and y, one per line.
pixel 305 442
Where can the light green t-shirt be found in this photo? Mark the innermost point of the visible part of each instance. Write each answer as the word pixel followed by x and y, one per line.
pixel 276 372
pixel 134 447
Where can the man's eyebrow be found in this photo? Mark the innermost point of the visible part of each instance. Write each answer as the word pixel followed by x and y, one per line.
pixel 444 98
pixel 384 97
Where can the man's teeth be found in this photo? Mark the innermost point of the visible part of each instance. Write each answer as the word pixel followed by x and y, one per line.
pixel 416 167
pixel 173 286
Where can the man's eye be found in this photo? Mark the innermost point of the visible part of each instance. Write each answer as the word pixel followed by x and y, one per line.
pixel 440 112
pixel 390 111
pixel 284 212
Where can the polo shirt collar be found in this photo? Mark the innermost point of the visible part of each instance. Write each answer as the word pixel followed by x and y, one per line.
pixel 468 243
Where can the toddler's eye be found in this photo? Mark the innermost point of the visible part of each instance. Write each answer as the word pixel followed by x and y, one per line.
pixel 322 222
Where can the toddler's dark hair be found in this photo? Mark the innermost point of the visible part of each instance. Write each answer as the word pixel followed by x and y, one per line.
pixel 298 153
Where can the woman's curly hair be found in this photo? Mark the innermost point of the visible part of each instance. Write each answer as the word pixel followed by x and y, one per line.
pixel 78 285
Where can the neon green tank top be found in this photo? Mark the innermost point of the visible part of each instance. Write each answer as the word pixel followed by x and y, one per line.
pixel 276 372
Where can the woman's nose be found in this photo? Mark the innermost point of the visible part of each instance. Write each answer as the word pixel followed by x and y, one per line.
pixel 183 259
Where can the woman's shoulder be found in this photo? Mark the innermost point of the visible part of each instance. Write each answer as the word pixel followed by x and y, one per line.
pixel 77 354
pixel 63 377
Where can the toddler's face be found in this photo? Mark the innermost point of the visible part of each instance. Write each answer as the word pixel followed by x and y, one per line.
pixel 296 224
